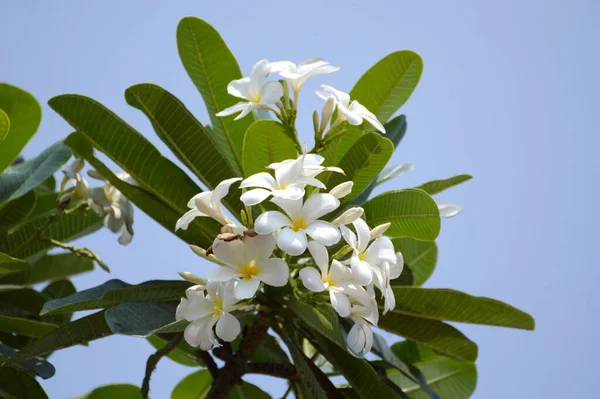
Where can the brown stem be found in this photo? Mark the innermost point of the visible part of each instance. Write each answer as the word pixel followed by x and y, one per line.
pixel 210 364
pixel 280 370
pixel 154 359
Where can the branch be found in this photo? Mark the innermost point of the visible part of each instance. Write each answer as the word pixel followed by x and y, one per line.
pixel 154 359
pixel 210 364
pixel 280 370
pixel 86 252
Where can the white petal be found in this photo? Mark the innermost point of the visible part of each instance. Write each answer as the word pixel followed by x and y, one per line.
pixel 292 242
pixel 212 288
pixel 254 197
pixel 274 272
pixel 126 235
pixel 339 274
pixel 342 189
pixel 356 340
pixel 349 236
pixel 271 92
pixel 231 253
pixel 247 109
pixel 311 181
pixel 192 332
pixel 395 270
pixel 258 75
pixel 389 302
pixel 287 172
pixel 203 196
pixel 378 231
pixel 239 88
pixel 367 115
pixel 271 221
pixel 283 66
pixel 449 210
pixel 320 255
pixel 239 107
pixel 318 205
pixel 381 250
pixel 223 273
pixel 323 232
pixel 227 294
pixel 361 271
pixel 196 309
pixel 262 180
pixel 293 208
pixel 340 303
pixel 349 216
pixel 342 97
pixel 222 190
pixel 364 234
pixel 246 288
pixel 207 336
pixel 228 327
pixel 292 192
pixel 352 117
pixel 184 221
pixel 312 279
pixel 259 247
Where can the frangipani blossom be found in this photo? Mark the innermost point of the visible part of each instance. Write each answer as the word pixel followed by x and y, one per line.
pixel 353 112
pixel 291 176
pixel 300 219
pixel 365 258
pixel 207 204
pixel 360 337
pixel 72 173
pixel 205 311
pixel 254 89
pixel 298 74
pixel 337 279
pixel 390 271
pixel 250 260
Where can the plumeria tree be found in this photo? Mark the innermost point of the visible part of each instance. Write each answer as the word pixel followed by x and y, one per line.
pixel 306 266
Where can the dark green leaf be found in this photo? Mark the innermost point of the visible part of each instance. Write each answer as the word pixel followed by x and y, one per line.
pixel 245 390
pixel 39 366
pixel 25 115
pixel 18 384
pixel 395 130
pixel 17 210
pixel 269 351
pixel 412 212
pixel 25 327
pixel 55 290
pixel 141 319
pixel 50 267
pixel 420 256
pixel 266 142
pixel 338 147
pixel 47 186
pixel 437 186
pixel 311 377
pixel 196 385
pixel 114 391
pixel 183 353
pixel 8 264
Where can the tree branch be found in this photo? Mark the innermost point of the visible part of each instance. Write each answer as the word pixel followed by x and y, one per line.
pixel 210 364
pixel 280 370
pixel 154 359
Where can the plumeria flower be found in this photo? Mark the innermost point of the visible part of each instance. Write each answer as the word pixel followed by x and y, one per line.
pixel 291 176
pixel 360 337
pixel 337 279
pixel 249 259
pixel 255 90
pixel 390 271
pixel 365 258
pixel 72 174
pixel 207 204
pixel 204 311
pixel 300 219
pixel 353 112
pixel 110 203
pixel 298 74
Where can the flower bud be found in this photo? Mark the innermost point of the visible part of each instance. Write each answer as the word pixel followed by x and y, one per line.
pixel 342 189
pixel 192 278
pixel 379 230
pixel 203 254
pixel 449 210
pixel 326 113
pixel 348 217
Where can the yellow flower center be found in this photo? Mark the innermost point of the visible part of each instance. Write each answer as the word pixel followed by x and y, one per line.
pixel 257 98
pixel 299 224
pixel 218 307
pixel 327 281
pixel 362 256
pixel 249 270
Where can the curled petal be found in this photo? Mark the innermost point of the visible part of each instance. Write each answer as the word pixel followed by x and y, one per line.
pixel 292 242
pixel 312 279
pixel 184 221
pixel 323 232
pixel 359 109
pixel 228 327
pixel 349 236
pixel 262 180
pixel 361 271
pixel 239 107
pixel 318 205
pixel 340 303
pixel 271 221
pixel 255 197
pixel 320 255
pixel 274 272
pixel 449 210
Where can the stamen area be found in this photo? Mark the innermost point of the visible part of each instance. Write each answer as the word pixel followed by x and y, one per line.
pixel 218 307
pixel 250 269
pixel 299 224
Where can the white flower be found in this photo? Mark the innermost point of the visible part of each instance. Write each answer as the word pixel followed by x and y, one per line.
pixel 205 311
pixel 353 112
pixel 207 204
pixel 390 271
pixel 342 189
pixel 449 210
pixel 301 219
pixel 72 174
pixel 337 279
pixel 360 337
pixel 298 74
pixel 365 258
pixel 291 176
pixel 116 209
pixel 378 231
pixel 250 260
pixel 254 89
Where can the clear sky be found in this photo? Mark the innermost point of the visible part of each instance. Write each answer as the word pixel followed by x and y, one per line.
pixel 508 94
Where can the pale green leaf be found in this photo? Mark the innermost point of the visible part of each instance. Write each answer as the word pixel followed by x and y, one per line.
pixel 114 391
pixel 245 390
pixel 437 186
pixel 8 264
pixel 25 327
pixel 339 146
pixel 4 126
pixel 420 256
pixel 196 385
pixel 50 267
pixel 266 142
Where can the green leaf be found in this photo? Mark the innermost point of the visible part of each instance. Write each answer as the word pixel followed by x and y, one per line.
pixel 392 172
pixel 80 331
pixel 38 366
pixel 196 385
pixel 212 66
pixel 420 256
pixel 311 377
pixel 183 353
pixel 437 186
pixel 25 115
pixel 19 384
pixel 412 213
pixel 27 300
pixel 55 290
pixel 338 147
pixel 186 137
pixel 47 186
pixel 450 378
pixel 438 335
pixel 269 351
pixel 114 391
pixel 245 390
pixel 17 210
pixel 140 319
pixel 115 292
pixel 50 267
pixel 395 130
pixel 199 232
pixel 266 142
pixel 8 264
pixel 19 179
pixel 451 305
pixel 26 327
pixel 4 125
pixel 387 85
pixel 127 148
pixel 362 163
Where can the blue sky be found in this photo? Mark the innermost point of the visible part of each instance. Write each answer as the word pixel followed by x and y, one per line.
pixel 508 94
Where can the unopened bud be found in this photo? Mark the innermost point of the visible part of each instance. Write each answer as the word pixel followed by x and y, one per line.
pixel 449 210
pixel 192 278
pixel 205 254
pixel 316 123
pixel 348 216
pixel 379 230
pixel 326 113
pixel 342 189
pixel 64 201
pixel 227 237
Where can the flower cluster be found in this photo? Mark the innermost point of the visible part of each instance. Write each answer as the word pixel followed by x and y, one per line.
pixel 290 237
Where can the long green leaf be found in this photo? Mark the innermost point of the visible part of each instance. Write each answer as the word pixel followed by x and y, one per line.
pixel 19 384
pixel 451 305
pixel 50 267
pixel 196 385
pixel 183 353
pixel 39 366
pixel 438 335
pixel 115 292
pixel 387 85
pixel 4 125
pixel 245 390
pixel 114 391
pixel 412 212
pixel 212 66
pixel 339 146
pixel 311 377
pixel 266 142
pixel 200 232
pixel 55 290
pixel 15 211
pixel 420 256
pixel 437 186
pixel 140 319
pixel 25 327
pixel 25 115
pixel 8 264
pixel 17 180
pixel 362 163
